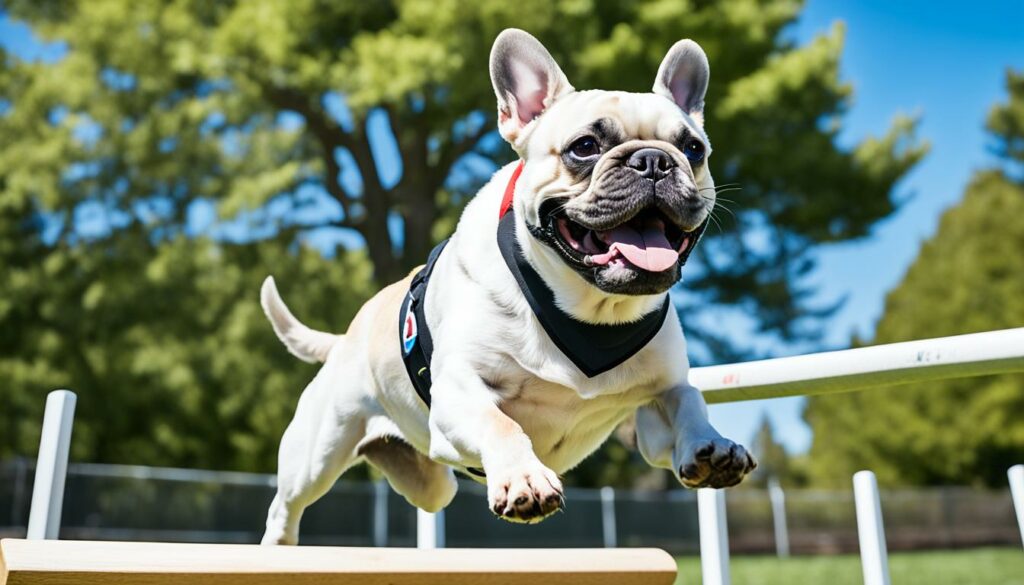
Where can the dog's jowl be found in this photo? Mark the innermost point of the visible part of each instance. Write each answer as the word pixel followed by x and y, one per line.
pixel 541 325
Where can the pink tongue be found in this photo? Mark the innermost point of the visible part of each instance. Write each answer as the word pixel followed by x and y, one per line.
pixel 648 249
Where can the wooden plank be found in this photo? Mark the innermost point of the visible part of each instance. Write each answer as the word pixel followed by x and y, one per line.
pixel 58 562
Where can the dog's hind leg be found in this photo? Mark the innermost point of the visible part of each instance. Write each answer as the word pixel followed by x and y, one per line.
pixel 317 447
pixel 424 483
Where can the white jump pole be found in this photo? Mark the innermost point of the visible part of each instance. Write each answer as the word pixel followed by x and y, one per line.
pixel 874 557
pixel 51 466
pixel 714 537
pixel 778 501
pixel 1016 476
pixel 961 356
pixel 608 526
pixel 429 529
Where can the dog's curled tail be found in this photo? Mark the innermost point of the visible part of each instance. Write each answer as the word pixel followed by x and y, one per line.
pixel 304 343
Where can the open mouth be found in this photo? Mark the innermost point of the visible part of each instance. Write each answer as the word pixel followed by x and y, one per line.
pixel 648 241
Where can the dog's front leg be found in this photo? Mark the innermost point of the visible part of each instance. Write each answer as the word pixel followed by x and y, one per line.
pixel 674 432
pixel 468 428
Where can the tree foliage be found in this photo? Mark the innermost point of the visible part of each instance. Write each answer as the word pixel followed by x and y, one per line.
pixel 368 119
pixel 968 277
pixel 164 342
pixel 773 462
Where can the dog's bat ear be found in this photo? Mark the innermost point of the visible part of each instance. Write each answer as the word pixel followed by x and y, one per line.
pixel 526 81
pixel 683 78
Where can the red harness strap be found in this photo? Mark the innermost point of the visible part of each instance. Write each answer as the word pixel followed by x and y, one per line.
pixel 506 201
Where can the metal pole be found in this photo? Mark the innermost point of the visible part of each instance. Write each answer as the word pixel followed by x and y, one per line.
pixel 608 517
pixel 714 537
pixel 778 500
pixel 429 529
pixel 1016 476
pixel 380 513
pixel 874 557
pixel 51 466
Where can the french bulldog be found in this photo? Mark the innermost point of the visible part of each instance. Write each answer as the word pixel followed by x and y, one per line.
pixel 611 194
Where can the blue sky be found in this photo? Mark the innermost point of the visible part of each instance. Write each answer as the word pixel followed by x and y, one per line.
pixel 940 60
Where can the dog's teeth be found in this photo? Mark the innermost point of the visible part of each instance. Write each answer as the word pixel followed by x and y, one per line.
pixel 588 260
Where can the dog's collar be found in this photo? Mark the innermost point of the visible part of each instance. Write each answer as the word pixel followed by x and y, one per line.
pixel 593 348
pixel 510 190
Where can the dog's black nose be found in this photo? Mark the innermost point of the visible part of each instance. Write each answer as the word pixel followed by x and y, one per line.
pixel 651 163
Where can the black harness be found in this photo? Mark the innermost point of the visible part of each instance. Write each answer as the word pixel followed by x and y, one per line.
pixel 413 332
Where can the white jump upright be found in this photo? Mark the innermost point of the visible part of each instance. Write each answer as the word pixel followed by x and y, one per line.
pixel 380 513
pixel 429 529
pixel 608 527
pixel 1016 476
pixel 51 466
pixel 714 537
pixel 874 556
pixel 778 500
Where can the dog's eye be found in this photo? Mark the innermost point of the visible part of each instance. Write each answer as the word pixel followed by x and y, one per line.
pixel 585 147
pixel 694 151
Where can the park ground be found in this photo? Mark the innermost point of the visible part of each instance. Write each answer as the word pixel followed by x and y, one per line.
pixel 982 566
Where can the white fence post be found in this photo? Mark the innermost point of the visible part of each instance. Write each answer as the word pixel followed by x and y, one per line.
pixel 608 517
pixel 778 500
pixel 1016 476
pixel 380 513
pixel 429 529
pixel 874 557
pixel 714 537
pixel 51 466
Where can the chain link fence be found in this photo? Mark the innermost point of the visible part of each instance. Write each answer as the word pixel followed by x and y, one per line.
pixel 116 502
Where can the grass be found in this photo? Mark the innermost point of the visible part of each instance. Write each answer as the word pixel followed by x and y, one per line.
pixel 982 566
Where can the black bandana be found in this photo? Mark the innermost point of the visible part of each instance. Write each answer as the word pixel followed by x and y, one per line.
pixel 593 348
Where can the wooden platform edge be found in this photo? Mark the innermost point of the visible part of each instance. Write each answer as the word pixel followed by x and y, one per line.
pixel 27 562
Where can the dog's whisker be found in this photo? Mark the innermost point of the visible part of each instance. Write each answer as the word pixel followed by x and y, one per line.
pixel 729 211
pixel 727 190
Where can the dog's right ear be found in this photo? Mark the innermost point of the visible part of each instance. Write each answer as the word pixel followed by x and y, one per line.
pixel 526 81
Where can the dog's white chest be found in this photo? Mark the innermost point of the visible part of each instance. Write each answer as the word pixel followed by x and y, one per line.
pixel 563 426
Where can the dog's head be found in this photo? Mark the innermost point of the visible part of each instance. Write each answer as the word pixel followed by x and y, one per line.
pixel 616 184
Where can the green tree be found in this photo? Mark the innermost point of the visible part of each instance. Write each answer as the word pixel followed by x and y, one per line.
pixel 968 277
pixel 772 459
pixel 274 112
pixel 165 342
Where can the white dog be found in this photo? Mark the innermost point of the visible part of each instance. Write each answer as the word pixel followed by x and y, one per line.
pixel 547 312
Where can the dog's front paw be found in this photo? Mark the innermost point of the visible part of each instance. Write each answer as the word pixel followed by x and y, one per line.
pixel 526 493
pixel 715 463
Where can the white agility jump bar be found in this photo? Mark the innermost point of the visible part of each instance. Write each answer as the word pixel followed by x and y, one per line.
pixel 51 562
pixel 961 356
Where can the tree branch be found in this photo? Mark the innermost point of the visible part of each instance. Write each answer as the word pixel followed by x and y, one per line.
pixel 452 152
pixel 330 136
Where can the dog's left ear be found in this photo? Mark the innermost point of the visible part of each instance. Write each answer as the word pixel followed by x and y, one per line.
pixel 526 81
pixel 683 78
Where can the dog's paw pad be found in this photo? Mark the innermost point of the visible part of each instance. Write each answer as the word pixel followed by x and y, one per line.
pixel 527 495
pixel 715 463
